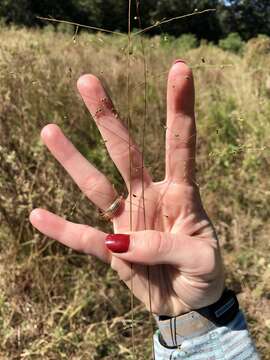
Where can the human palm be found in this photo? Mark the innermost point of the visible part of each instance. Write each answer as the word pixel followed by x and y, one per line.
pixel 173 246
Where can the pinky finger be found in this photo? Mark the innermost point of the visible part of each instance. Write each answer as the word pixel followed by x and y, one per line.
pixel 79 237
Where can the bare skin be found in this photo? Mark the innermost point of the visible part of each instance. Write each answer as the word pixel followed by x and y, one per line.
pixel 174 235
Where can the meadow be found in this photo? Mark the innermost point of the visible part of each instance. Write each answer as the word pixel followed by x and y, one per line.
pixel 59 304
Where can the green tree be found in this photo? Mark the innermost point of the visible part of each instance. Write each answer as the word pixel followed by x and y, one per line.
pixel 232 42
pixel 25 11
pixel 204 26
pixel 247 17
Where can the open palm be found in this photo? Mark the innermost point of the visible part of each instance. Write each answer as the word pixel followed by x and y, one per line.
pixel 173 246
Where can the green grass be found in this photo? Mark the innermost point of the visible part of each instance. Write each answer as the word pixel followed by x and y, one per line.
pixel 57 304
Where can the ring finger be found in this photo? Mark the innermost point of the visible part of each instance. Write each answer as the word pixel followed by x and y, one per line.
pixel 91 181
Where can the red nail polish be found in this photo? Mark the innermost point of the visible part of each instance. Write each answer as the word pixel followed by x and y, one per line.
pixel 118 243
pixel 179 60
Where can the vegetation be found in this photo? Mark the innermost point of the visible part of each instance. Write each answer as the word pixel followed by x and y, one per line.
pixel 248 18
pixel 58 304
pixel 232 43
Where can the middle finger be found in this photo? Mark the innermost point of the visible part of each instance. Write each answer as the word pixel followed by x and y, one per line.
pixel 123 151
pixel 181 127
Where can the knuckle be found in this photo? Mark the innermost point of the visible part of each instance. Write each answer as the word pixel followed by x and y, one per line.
pixel 154 243
pixel 208 259
pixel 157 244
pixel 146 245
pixel 89 187
pixel 122 268
pixel 84 240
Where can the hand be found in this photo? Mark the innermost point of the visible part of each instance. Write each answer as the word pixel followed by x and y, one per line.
pixel 179 242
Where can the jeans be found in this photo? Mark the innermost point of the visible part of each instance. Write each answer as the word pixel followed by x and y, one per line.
pixel 230 342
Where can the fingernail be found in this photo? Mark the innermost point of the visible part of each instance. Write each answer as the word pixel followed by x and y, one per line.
pixel 179 60
pixel 118 243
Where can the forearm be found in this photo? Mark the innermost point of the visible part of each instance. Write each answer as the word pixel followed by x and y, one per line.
pixel 230 342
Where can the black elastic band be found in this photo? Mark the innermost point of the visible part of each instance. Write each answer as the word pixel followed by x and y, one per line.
pixel 223 311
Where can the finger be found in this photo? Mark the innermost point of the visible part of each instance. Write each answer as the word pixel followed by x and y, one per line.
pixel 91 181
pixel 153 247
pixel 181 128
pixel 79 237
pixel 121 148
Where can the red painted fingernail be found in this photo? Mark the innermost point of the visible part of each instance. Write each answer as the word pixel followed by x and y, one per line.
pixel 118 243
pixel 179 60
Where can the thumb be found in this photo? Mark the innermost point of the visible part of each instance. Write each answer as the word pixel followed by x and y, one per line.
pixel 153 247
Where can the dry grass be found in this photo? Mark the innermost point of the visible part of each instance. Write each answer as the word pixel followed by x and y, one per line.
pixel 57 304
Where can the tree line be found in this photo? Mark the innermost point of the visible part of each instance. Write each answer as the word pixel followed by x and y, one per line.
pixel 246 17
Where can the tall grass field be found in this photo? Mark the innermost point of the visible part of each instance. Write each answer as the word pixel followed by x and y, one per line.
pixel 59 304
